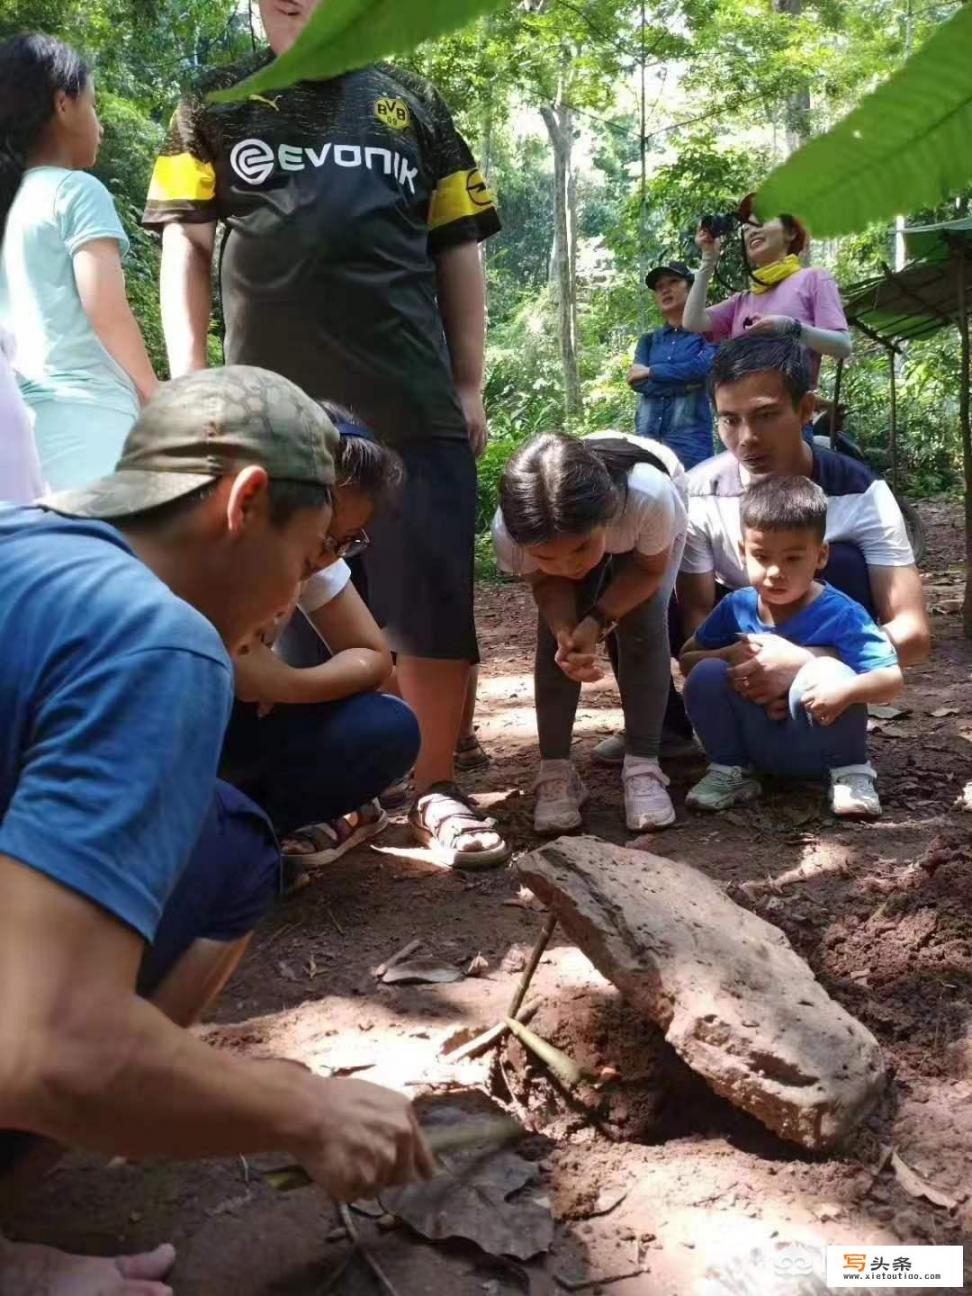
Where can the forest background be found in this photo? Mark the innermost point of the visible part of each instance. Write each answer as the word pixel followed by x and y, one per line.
pixel 605 128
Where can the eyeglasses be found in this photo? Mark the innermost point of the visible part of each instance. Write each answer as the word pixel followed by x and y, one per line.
pixel 349 547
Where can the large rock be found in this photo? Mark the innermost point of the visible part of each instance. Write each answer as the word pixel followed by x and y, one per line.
pixel 734 999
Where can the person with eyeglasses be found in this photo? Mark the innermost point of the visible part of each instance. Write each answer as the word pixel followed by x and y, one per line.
pixel 311 739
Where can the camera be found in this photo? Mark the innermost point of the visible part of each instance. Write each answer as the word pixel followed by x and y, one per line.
pixel 719 224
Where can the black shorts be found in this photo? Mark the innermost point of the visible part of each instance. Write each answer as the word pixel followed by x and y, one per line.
pixel 421 559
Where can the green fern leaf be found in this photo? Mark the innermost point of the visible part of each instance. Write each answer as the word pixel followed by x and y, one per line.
pixel 906 145
pixel 345 34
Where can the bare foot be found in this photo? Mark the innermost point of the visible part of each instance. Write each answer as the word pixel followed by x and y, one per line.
pixel 41 1271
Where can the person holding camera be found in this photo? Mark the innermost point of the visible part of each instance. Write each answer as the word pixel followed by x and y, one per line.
pixel 784 297
pixel 669 372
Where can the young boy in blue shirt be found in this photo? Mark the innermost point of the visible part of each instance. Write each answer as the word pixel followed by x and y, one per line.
pixel 820 727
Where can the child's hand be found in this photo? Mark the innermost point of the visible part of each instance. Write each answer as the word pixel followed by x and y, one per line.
pixel 778 708
pixel 256 670
pixel 577 652
pixel 824 701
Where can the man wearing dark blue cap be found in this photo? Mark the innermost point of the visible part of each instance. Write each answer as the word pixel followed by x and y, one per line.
pixel 669 372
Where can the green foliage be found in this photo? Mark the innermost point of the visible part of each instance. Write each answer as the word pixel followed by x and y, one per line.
pixel 907 145
pixel 345 34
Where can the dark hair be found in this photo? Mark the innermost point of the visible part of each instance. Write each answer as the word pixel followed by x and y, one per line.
pixel 785 504
pixel 285 499
pixel 758 353
pixel 33 68
pixel 559 485
pixel 361 460
pixel 796 234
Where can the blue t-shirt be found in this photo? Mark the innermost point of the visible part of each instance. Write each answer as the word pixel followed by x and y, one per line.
pixel 831 621
pixel 114 698
pixel 55 213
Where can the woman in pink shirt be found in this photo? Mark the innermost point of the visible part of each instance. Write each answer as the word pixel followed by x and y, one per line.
pixel 783 297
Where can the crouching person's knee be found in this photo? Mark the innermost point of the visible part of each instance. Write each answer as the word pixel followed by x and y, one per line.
pixel 707 681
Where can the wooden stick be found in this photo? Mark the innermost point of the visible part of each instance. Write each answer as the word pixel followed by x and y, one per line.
pixel 348 1221
pixel 484 1041
pixel 543 941
pixel 493 1130
pixel 400 957
pixel 582 1284
pixel 563 1067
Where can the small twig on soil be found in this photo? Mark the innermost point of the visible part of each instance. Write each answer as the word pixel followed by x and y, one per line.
pixel 563 1067
pixel 542 942
pixel 400 957
pixel 348 1221
pixel 482 1043
pixel 281 931
pixel 582 1284
pixel 802 873
pixel 330 914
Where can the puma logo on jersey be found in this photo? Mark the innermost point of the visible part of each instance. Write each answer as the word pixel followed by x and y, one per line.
pixel 271 103
pixel 254 160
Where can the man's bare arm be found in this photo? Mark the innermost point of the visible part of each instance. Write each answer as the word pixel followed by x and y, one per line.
pixel 461 290
pixel 899 602
pixel 84 1061
pixel 185 292
pixel 696 599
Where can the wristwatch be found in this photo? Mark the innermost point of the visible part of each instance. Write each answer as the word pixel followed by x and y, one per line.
pixel 606 622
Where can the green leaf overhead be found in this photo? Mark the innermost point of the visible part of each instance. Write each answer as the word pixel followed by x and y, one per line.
pixel 345 34
pixel 907 145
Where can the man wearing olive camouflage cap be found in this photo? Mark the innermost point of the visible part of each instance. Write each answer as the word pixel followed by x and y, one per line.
pixel 130 879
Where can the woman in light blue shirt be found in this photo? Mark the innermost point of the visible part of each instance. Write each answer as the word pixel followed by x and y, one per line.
pixel 81 361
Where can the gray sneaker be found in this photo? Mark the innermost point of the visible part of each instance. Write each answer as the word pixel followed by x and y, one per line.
pixel 610 751
pixel 722 787
pixel 853 794
pixel 673 746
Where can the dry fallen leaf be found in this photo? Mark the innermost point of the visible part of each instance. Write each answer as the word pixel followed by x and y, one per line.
pixel 942 711
pixel 421 972
pixel 478 967
pixel 882 712
pixel 915 1186
pixel 474 1204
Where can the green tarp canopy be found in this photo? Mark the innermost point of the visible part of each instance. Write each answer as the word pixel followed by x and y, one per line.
pixel 898 306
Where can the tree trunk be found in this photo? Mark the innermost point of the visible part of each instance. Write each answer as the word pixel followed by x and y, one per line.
pixel 796 118
pixel 965 423
pixel 563 269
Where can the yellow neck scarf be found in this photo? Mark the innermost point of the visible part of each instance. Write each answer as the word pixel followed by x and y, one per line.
pixel 766 277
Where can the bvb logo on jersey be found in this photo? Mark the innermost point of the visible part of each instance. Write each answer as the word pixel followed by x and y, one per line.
pixel 393 113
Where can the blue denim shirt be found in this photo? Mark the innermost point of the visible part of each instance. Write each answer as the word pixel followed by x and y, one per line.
pixel 673 405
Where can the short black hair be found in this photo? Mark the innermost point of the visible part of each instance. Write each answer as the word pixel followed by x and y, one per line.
pixel 757 353
pixel 785 504
pixel 361 460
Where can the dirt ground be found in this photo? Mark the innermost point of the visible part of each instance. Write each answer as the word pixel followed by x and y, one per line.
pixel 882 911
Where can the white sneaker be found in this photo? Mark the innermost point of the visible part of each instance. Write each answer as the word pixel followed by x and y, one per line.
pixel 852 792
pixel 560 794
pixel 646 803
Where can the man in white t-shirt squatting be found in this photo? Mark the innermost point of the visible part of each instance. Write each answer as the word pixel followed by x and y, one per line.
pixel 762 392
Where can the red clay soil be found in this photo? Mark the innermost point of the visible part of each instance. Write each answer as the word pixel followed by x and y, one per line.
pixel 882 911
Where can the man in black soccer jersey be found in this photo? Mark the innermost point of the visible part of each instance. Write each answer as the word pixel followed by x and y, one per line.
pixel 352 211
